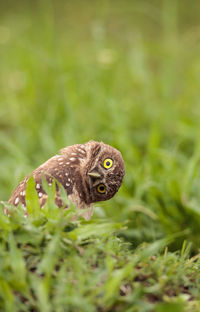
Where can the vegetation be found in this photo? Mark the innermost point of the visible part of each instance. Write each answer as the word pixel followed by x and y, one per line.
pixel 126 73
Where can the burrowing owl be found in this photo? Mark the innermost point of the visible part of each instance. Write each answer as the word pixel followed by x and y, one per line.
pixel 89 173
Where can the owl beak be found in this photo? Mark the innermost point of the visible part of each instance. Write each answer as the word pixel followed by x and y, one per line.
pixel 94 174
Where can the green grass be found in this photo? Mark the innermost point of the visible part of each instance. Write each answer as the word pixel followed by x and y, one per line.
pixel 126 73
pixel 51 263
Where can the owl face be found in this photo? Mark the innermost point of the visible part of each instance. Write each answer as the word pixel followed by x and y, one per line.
pixel 104 172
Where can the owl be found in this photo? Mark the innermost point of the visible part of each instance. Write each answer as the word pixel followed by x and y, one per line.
pixel 89 173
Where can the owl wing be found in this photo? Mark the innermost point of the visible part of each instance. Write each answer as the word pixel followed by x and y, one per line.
pixel 49 170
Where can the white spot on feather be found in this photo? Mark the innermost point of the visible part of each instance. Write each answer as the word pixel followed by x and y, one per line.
pixel 40 194
pixel 16 200
pixel 81 150
pixel 37 186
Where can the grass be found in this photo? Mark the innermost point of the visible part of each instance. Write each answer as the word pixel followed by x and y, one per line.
pixel 127 74
pixel 51 263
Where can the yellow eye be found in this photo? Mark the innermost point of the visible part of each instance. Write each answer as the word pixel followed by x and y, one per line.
pixel 101 188
pixel 107 163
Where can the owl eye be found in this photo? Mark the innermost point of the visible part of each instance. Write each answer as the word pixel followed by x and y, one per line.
pixel 107 163
pixel 101 188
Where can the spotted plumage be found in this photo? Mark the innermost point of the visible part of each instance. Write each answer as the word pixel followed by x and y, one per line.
pixel 89 173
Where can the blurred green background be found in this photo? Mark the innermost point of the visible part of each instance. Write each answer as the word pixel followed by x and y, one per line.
pixel 124 72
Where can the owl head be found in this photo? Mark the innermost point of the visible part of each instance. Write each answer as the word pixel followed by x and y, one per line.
pixel 103 172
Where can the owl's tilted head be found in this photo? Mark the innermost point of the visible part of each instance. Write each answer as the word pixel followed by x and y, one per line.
pixel 100 174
